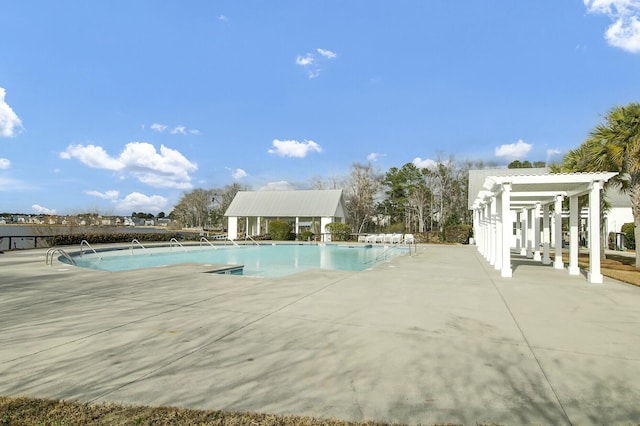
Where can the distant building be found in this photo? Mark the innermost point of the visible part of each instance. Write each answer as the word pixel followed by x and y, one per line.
pixel 251 211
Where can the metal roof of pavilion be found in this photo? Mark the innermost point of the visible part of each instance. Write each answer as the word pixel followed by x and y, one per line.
pixel 530 189
pixel 303 203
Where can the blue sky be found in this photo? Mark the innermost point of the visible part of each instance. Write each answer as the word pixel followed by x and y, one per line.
pixel 123 106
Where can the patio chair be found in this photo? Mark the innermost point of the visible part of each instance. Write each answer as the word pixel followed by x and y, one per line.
pixel 409 239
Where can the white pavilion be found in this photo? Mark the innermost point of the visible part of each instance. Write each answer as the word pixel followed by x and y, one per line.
pixel 529 194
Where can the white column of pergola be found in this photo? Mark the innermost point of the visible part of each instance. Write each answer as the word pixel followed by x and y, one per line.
pixel 546 260
pixel 557 216
pixel 525 233
pixel 527 194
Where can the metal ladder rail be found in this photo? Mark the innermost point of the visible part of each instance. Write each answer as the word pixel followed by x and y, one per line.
pixel 52 251
pixel 415 247
pixel 207 241
pixel 382 255
pixel 86 243
pixel 137 242
pixel 173 240
pixel 249 237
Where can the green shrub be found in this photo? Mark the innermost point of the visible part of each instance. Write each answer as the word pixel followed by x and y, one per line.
pixel 306 236
pixel 397 228
pixel 458 234
pixel 117 237
pixel 279 230
pixel 339 231
pixel 628 229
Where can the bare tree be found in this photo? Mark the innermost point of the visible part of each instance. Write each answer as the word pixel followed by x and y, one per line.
pixel 193 208
pixel 363 186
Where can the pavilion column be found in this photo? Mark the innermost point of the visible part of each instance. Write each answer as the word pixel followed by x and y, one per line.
pixel 492 231
pixel 481 235
pixel 246 227
pixel 557 216
pixel 297 226
pixel 524 225
pixel 477 233
pixel 258 223
pixel 574 215
pixel 530 233
pixel 536 233
pixel 475 227
pixel 485 227
pixel 546 260
pixel 518 231
pixel 594 233
pixel 499 221
pixel 505 213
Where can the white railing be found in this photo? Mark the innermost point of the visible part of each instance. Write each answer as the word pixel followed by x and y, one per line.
pixel 208 242
pixel 52 251
pixel 86 243
pixel 136 242
pixel 173 240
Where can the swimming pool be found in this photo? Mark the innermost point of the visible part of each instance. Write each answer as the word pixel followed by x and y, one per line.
pixel 264 260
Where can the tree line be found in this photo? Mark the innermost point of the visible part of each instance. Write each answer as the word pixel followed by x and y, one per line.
pixel 408 199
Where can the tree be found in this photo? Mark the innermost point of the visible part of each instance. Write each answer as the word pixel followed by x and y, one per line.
pixel 614 146
pixel 363 187
pixel 221 200
pixel 526 164
pixel 402 199
pixel 193 208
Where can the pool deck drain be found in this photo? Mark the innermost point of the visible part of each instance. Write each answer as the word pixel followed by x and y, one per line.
pixel 433 337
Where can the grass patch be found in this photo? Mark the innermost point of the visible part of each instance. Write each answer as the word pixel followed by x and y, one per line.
pixel 617 266
pixel 32 411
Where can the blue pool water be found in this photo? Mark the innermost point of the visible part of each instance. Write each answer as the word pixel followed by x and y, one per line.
pixel 265 260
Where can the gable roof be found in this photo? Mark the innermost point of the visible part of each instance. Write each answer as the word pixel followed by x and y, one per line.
pixel 304 203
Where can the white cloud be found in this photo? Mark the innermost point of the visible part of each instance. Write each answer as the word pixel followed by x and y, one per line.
pixel 165 169
pixel 513 150
pixel 374 156
pixel 179 130
pixel 10 123
pixel 624 32
pixel 327 53
pixel 282 185
pixel 140 202
pixel 38 209
pixel 107 195
pixel 293 148
pixel 223 18
pixel 311 62
pixel 238 174
pixel 93 156
pixel 159 127
pixel 4 164
pixel 424 164
pixel 305 60
pixel 553 151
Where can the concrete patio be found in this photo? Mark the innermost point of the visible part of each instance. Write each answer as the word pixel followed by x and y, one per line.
pixel 434 337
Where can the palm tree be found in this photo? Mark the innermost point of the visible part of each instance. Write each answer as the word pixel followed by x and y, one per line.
pixel 614 146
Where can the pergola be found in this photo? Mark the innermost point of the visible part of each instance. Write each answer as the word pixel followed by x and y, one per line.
pixel 527 195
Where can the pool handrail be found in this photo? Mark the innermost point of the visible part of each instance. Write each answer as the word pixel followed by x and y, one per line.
pixel 207 241
pixel 249 237
pixel 173 240
pixel 137 242
pixel 52 251
pixel 86 243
